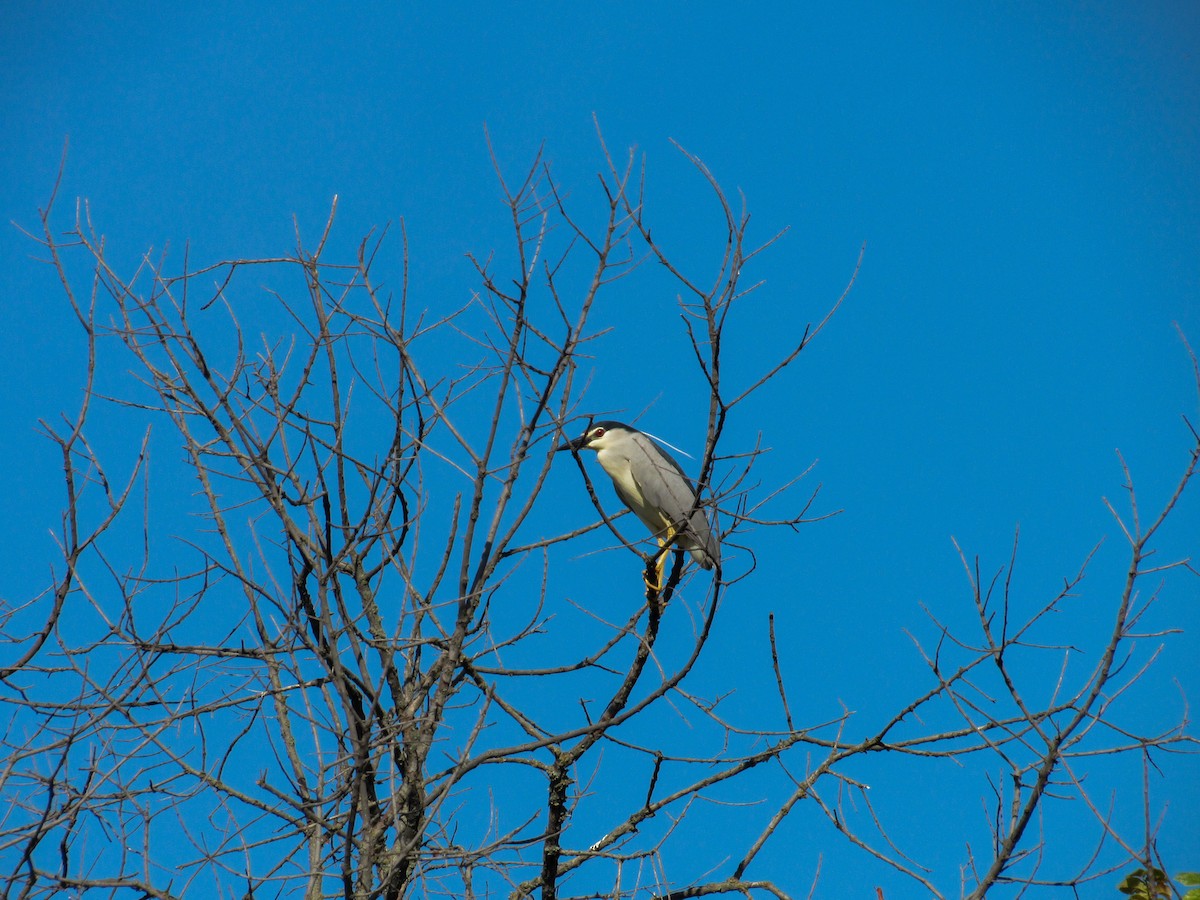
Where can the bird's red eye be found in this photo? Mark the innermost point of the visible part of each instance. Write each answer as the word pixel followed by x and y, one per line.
pixel 598 433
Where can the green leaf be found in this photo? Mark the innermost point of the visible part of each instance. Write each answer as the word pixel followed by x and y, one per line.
pixel 1152 884
pixel 1132 882
pixel 1189 878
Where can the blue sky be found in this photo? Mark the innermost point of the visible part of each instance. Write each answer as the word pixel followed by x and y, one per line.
pixel 1025 177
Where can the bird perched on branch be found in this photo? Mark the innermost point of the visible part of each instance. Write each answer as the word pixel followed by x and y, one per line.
pixel 653 485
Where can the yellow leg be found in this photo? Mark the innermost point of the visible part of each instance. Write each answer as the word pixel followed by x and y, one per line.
pixel 657 584
pixel 661 564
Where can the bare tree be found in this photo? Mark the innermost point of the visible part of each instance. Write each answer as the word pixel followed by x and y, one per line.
pixel 334 673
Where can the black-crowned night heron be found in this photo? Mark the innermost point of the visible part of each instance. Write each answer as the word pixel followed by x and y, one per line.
pixel 653 485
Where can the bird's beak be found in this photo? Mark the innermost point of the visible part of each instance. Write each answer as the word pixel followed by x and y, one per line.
pixel 576 444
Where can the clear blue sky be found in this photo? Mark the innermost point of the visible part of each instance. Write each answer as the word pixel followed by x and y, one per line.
pixel 1026 178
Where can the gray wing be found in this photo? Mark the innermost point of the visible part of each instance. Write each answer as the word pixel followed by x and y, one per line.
pixel 665 486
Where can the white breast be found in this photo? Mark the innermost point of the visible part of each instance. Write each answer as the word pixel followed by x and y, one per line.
pixel 617 466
